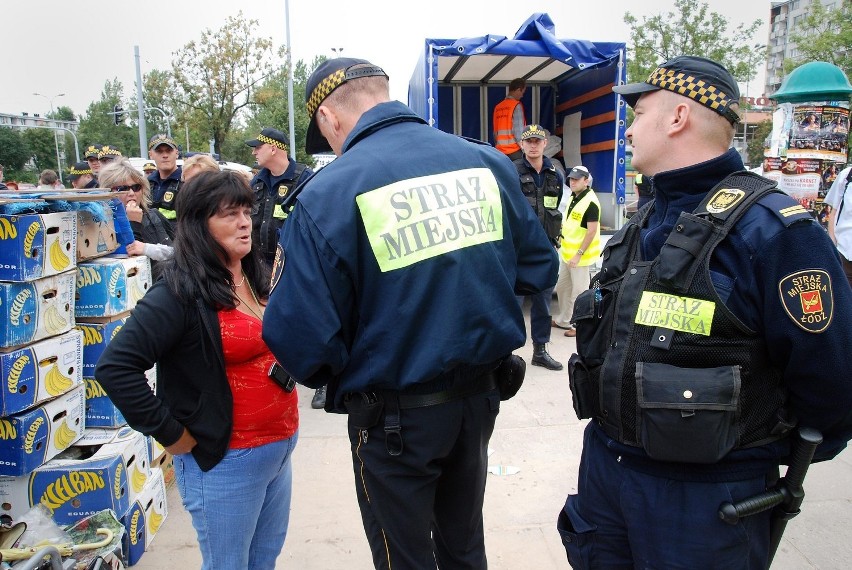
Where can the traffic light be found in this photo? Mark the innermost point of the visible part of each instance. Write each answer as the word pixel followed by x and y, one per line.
pixel 118 114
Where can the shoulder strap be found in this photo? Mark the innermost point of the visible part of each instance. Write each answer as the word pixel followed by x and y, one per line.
pixel 732 197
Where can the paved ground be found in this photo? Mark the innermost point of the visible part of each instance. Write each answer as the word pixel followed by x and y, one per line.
pixel 538 433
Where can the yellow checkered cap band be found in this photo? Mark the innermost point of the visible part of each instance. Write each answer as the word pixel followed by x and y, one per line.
pixel 323 89
pixel 93 151
pixel 266 140
pixel 534 131
pixel 686 84
pixel 108 151
pixel 74 171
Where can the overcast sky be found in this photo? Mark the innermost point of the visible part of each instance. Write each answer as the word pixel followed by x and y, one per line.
pixel 57 46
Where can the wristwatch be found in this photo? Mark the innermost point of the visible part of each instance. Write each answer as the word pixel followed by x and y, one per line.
pixel 581 251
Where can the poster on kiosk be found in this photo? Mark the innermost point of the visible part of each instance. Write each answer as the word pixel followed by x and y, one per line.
pixel 810 129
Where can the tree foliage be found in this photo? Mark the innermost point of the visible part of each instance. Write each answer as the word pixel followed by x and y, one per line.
pixel 824 34
pixel 98 127
pixel 690 28
pixel 14 152
pixel 758 142
pixel 216 77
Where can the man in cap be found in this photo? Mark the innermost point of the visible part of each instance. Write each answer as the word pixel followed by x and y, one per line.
pixel 277 177
pixel 148 168
pixel 580 246
pixel 91 155
pixel 165 181
pixel 107 154
pixel 696 343
pixel 80 176
pixel 395 284
pixel 542 184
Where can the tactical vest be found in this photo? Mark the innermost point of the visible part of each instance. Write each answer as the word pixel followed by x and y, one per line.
pixel 664 364
pixel 268 216
pixel 544 200
pixel 168 194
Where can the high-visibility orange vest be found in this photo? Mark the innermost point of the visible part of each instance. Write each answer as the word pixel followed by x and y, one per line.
pixel 504 138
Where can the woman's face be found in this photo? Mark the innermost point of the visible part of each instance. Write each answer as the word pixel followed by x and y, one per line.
pixel 231 228
pixel 129 190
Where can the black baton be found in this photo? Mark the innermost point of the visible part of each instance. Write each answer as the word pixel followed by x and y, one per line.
pixel 787 495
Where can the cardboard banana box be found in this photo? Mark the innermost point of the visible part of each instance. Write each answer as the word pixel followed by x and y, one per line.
pixel 144 518
pixel 71 489
pixel 95 237
pixel 29 439
pixel 100 410
pixel 107 286
pixel 33 246
pixel 36 309
pixel 40 372
pixel 97 332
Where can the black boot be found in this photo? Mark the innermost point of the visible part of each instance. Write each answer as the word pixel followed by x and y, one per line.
pixel 318 401
pixel 541 358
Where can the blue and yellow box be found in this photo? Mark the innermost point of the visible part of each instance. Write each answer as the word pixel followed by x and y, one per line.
pixel 108 286
pixel 39 372
pixel 71 488
pixel 100 411
pixel 37 309
pixel 33 246
pixel 95 235
pixel 144 518
pixel 30 438
pixel 97 333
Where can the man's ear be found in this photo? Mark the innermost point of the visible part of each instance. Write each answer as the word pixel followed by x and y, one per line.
pixel 680 117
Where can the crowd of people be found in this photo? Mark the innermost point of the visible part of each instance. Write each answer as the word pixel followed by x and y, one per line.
pixel 403 309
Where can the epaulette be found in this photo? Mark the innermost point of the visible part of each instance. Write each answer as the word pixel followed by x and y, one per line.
pixel 787 209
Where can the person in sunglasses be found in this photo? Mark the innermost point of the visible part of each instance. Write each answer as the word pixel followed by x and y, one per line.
pixel 153 231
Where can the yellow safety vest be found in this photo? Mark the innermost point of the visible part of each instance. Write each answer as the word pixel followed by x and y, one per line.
pixel 573 233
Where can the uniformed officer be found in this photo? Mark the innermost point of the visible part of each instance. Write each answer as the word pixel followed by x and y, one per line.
pixel 91 156
pixel 395 283
pixel 719 321
pixel 108 153
pixel 166 180
pixel 542 185
pixel 278 176
pixel 80 176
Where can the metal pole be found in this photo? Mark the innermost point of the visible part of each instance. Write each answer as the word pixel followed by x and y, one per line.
pixel 292 149
pixel 186 128
pixel 140 106
pixel 55 138
pixel 166 117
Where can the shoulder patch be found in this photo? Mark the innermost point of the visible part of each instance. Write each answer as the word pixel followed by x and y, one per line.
pixel 808 299
pixel 277 267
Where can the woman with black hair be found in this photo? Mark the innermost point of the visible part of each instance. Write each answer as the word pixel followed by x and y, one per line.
pixel 231 426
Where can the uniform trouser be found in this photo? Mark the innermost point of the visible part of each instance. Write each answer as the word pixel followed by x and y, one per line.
pixel 423 508
pixel 539 315
pixel 621 518
pixel 571 282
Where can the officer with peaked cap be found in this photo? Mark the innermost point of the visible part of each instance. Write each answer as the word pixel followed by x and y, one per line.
pixel 279 175
pixel 166 180
pixel 80 176
pixel 395 283
pixel 697 343
pixel 91 156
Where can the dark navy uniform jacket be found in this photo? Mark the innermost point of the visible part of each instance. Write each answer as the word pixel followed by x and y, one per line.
pixel 750 271
pixel 402 258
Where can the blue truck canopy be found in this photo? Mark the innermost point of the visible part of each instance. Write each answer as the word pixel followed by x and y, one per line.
pixel 458 82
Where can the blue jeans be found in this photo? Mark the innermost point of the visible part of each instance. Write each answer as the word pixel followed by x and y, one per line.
pixel 539 315
pixel 241 507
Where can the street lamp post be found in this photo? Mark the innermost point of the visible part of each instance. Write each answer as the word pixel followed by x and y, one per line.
pixel 338 52
pixel 55 139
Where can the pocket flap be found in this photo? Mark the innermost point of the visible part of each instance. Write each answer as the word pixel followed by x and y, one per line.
pixel 666 386
pixel 584 306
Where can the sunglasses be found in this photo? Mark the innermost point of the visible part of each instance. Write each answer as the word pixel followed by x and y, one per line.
pixel 126 187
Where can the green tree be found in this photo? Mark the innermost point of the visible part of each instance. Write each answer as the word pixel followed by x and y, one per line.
pixel 217 75
pixel 14 153
pixel 824 34
pixel 689 29
pixel 758 142
pixel 98 127
pixel 42 148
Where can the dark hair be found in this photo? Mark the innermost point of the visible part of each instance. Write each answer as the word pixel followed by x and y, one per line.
pixel 517 83
pixel 197 269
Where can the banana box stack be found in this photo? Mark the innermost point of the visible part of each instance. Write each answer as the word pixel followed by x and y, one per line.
pixel 127 443
pixel 144 518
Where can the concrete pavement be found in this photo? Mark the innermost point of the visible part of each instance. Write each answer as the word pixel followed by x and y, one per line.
pixel 538 433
